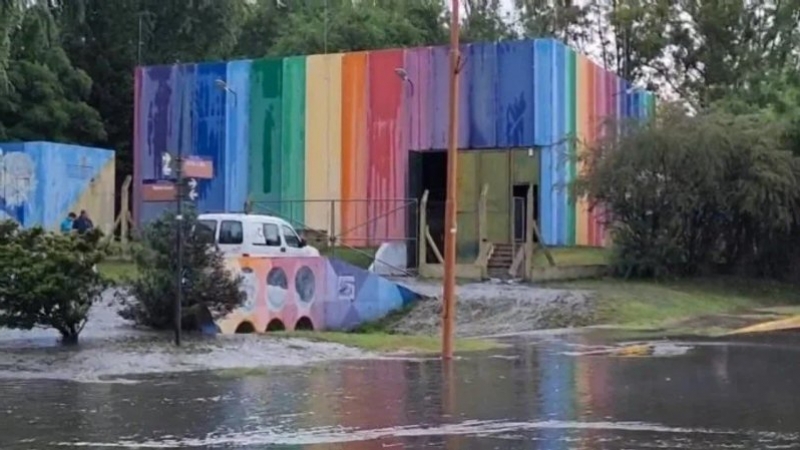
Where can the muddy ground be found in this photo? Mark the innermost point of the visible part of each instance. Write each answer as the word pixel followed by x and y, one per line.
pixel 493 308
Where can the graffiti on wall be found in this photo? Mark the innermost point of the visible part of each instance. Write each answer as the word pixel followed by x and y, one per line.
pixel 309 292
pixel 41 182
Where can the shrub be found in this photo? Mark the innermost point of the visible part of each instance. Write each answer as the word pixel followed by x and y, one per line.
pixel 48 280
pixel 208 285
pixel 687 194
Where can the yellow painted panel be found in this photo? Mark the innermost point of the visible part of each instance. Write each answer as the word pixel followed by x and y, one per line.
pixel 469 192
pixel 98 199
pixel 494 171
pixel 323 141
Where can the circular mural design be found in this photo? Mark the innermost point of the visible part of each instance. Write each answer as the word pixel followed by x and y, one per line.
pixel 277 287
pixel 304 284
pixel 249 288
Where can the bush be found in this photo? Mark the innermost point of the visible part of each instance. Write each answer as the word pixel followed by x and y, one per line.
pixel 48 280
pixel 688 194
pixel 208 285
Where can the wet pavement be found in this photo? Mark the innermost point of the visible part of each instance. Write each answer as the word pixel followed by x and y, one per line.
pixel 545 392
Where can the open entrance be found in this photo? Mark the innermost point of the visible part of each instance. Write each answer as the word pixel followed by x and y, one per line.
pixel 304 324
pixel 245 328
pixel 428 171
pixel 276 325
pixel 520 210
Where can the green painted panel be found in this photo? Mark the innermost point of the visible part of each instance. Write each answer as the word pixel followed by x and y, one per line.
pixel 293 144
pixel 525 167
pixel 493 169
pixel 572 130
pixel 266 95
pixel 468 197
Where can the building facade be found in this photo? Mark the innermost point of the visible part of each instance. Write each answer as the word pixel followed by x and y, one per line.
pixel 347 143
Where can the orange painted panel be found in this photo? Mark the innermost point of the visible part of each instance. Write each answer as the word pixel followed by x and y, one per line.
pixel 355 155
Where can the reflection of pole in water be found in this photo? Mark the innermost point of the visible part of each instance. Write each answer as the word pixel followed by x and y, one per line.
pixel 720 364
pixel 451 442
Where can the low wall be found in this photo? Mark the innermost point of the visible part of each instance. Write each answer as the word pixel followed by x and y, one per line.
pixel 317 292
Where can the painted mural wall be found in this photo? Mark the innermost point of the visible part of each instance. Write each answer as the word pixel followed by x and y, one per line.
pixel 41 182
pixel 294 134
pixel 330 293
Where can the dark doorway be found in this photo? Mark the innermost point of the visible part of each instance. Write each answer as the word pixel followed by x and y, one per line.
pixel 245 328
pixel 427 171
pixel 276 325
pixel 520 210
pixel 304 324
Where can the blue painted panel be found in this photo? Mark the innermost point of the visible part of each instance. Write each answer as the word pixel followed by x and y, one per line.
pixel 514 117
pixel 151 211
pixel 482 91
pixel 208 132
pixel 560 153
pixel 544 63
pixel 182 111
pixel 237 135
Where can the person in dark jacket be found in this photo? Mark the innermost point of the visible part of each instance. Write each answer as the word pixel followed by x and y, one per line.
pixel 83 223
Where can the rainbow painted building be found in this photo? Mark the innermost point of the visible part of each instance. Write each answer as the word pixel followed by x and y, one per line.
pixel 337 141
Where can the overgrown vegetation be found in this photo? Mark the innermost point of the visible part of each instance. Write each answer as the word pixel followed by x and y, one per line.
pixel 207 283
pixel 48 279
pixel 706 193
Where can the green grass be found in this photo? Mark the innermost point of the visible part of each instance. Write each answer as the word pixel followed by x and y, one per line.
pixel 572 256
pixel 649 304
pixel 359 257
pixel 117 270
pixel 391 343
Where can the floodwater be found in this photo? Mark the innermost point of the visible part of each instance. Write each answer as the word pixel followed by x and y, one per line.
pixel 544 392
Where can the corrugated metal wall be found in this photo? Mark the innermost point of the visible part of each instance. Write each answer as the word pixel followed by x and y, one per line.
pixel 41 182
pixel 293 134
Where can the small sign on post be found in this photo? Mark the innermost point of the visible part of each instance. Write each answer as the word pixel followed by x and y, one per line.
pixel 194 167
pixel 160 192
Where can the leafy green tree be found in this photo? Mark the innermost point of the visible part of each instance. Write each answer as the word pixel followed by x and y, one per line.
pixel 48 280
pixel 689 193
pixel 208 284
pixel 46 99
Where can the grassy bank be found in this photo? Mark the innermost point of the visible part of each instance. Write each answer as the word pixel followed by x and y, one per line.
pixel 392 343
pixel 676 304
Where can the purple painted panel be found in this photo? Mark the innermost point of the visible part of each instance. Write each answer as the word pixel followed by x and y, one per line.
pixel 418 99
pixel 440 66
pixel 440 84
pixel 155 119
pixel 481 90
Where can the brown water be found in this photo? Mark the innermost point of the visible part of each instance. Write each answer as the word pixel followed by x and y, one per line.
pixel 540 394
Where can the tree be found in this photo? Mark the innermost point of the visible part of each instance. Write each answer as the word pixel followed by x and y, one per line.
pixel 46 96
pixel 48 280
pixel 689 193
pixel 208 285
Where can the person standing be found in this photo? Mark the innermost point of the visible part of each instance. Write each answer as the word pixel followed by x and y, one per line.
pixel 83 223
pixel 67 223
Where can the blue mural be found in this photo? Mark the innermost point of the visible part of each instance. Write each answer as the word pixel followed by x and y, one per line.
pixel 40 182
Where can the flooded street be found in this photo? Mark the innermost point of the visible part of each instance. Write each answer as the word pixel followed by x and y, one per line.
pixel 545 392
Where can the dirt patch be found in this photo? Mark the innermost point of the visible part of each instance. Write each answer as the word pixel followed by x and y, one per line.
pixel 497 308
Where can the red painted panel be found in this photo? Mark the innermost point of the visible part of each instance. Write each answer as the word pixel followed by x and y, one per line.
pixel 388 159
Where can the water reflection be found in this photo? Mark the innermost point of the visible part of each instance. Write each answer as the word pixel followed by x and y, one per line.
pixel 534 396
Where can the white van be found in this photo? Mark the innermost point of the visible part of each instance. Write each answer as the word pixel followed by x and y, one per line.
pixel 255 235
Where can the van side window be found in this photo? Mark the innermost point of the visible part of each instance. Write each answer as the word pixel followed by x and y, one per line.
pixel 291 239
pixel 272 235
pixel 230 232
pixel 206 230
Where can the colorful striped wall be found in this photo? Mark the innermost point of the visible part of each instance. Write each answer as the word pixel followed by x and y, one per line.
pixel 294 133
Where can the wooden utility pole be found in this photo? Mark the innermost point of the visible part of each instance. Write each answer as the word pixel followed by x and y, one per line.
pixel 450 220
